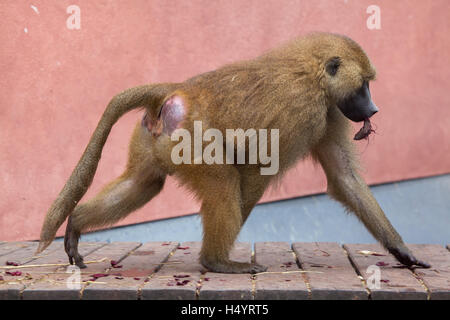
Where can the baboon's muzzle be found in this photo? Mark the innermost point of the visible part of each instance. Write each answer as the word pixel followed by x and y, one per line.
pixel 359 106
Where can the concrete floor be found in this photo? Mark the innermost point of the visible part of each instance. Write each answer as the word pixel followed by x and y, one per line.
pixel 419 210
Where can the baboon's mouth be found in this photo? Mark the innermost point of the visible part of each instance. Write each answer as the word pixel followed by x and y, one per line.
pixel 364 132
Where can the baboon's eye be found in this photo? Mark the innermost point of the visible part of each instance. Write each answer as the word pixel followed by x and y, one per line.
pixel 333 66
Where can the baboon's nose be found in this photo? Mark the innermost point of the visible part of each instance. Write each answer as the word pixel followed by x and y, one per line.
pixel 372 109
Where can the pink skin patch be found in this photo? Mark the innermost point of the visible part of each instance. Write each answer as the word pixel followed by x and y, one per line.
pixel 172 113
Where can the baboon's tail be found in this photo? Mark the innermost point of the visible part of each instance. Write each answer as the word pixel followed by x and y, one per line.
pixel 83 174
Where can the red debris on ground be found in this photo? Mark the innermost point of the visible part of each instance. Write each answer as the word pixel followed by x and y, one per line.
pixel 181 276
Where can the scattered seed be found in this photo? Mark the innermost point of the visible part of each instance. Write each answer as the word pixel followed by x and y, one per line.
pixel 370 253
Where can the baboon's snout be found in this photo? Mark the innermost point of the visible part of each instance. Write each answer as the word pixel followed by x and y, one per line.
pixel 359 106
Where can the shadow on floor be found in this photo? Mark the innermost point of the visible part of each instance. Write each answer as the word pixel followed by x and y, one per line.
pixel 419 210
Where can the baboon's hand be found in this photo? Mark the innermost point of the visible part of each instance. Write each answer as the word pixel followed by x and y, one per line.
pixel 404 256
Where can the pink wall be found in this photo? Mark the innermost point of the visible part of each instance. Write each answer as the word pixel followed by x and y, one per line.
pixel 56 82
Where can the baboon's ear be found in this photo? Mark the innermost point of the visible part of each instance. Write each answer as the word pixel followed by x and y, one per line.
pixel 332 66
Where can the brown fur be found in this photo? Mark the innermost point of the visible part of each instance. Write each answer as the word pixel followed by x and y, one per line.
pixel 286 89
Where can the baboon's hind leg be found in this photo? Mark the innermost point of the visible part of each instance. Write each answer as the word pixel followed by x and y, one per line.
pixel 142 180
pixel 253 185
pixel 222 221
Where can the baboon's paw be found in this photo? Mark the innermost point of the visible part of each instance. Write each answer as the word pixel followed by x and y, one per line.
pixel 71 239
pixel 404 256
pixel 234 267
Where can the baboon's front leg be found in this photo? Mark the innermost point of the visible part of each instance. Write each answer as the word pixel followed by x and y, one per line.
pixel 347 186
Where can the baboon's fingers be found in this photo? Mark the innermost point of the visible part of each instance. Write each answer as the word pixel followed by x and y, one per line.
pixel 234 267
pixel 404 256
pixel 423 264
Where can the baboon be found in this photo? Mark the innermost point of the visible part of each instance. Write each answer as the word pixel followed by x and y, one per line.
pixel 309 89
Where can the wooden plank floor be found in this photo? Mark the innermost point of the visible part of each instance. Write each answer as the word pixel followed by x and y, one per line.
pixel 169 270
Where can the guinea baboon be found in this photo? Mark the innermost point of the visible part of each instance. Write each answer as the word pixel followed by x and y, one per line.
pixel 307 89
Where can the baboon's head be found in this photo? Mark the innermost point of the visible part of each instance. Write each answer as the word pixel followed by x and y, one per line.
pixel 347 72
